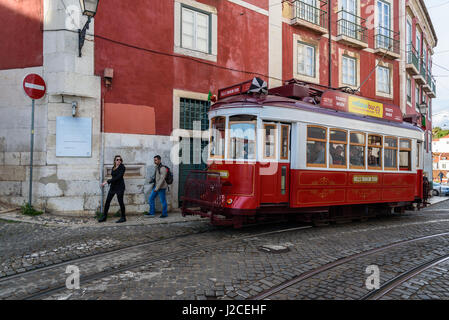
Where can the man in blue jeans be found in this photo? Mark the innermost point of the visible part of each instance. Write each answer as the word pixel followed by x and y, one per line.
pixel 159 187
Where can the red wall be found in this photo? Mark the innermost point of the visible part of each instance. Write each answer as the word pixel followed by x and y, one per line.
pixel 147 76
pixel 21 43
pixel 367 59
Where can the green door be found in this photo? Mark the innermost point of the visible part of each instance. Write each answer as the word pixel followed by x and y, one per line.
pixel 191 111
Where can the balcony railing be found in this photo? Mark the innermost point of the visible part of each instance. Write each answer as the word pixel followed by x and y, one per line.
pixel 431 83
pixel 351 26
pixel 310 13
pixel 387 39
pixel 412 56
pixel 422 70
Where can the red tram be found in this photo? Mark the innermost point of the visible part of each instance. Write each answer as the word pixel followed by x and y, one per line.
pixel 306 151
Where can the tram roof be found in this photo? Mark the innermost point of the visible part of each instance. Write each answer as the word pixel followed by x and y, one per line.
pixel 260 100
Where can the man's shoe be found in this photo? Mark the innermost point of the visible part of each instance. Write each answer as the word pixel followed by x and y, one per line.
pixel 148 215
pixel 162 216
pixel 102 219
pixel 122 219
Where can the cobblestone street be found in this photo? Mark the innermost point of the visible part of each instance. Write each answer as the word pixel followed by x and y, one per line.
pixel 189 259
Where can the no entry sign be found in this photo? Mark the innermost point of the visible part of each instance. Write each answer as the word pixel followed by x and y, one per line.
pixel 34 86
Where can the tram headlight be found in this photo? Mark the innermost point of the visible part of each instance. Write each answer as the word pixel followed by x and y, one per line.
pixel 229 201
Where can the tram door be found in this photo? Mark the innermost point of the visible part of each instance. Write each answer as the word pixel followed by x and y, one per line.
pixel 275 164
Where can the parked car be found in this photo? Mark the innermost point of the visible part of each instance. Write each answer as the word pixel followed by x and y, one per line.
pixel 440 189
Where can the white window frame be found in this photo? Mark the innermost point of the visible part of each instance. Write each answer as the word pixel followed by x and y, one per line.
pixel 301 46
pixel 409 90
pixel 297 41
pixel 346 72
pixel 383 29
pixel 211 54
pixel 383 86
pixel 416 97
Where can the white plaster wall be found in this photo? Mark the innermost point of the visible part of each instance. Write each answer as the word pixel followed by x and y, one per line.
pixel 15 134
pixel 275 43
pixel 139 151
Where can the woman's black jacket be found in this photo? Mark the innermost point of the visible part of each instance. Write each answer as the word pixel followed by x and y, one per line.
pixel 117 183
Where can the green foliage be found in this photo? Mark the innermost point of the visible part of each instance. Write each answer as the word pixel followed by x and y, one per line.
pixel 27 209
pixel 437 133
pixel 98 214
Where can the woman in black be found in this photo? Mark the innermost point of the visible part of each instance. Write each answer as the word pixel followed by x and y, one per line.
pixel 117 187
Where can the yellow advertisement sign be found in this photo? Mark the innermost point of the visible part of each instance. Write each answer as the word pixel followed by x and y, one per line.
pixel 365 107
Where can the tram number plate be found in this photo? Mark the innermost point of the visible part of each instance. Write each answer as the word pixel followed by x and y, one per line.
pixel 365 179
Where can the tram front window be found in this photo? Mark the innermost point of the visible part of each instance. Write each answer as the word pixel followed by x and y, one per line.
pixel 217 137
pixel 242 137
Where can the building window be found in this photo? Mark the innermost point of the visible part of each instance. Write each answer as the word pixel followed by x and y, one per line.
pixel 408 35
pixel 195 30
pixel 285 136
pixel 424 56
pixel 306 59
pixel 384 38
pixel 337 148
pixel 349 70
pixel 405 150
pixel 269 149
pixel 357 150
pixel 416 97
pixel 374 152
pixel 383 79
pixel 316 146
pixel 390 153
pixel 418 44
pixel 409 89
pixel 217 137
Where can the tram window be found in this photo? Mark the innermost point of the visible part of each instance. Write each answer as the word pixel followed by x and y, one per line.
pixel 316 146
pixel 390 153
pixel 405 151
pixel 337 148
pixel 357 150
pixel 418 152
pixel 242 137
pixel 269 141
pixel 217 137
pixel 285 135
pixel 374 152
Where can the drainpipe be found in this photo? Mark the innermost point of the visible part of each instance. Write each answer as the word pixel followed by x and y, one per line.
pixel 102 152
pixel 330 40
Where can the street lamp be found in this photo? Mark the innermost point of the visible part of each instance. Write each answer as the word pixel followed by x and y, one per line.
pixel 423 108
pixel 89 9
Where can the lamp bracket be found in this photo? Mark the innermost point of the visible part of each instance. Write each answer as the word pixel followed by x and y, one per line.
pixel 82 35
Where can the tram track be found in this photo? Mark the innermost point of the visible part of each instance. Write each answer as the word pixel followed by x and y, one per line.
pixel 309 274
pixel 190 247
pixel 110 270
pixel 397 281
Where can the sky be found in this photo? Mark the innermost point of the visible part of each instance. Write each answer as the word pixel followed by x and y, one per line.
pixel 439 13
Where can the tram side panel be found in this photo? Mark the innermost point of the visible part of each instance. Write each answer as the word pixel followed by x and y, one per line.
pixel 312 188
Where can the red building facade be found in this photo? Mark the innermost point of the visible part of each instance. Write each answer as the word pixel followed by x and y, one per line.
pixel 164 57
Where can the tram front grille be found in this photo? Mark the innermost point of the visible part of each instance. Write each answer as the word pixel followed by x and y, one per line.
pixel 202 189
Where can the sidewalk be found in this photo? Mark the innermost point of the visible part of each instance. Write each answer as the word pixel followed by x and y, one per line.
pixel 51 219
pixel 434 199
pixel 175 216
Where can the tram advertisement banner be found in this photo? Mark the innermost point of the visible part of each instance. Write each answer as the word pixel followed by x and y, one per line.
pixel 350 103
pixel 365 107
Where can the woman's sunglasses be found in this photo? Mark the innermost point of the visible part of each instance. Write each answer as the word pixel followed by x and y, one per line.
pixel 118 160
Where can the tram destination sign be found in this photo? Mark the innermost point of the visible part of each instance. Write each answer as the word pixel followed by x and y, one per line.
pixel 341 101
pixel 234 90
